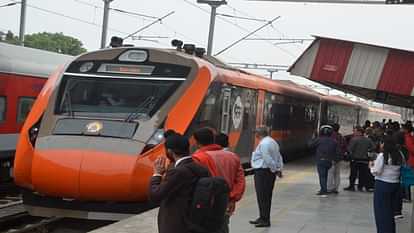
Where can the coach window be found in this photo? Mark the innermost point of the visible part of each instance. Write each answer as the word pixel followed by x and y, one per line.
pixel 25 105
pixel 2 108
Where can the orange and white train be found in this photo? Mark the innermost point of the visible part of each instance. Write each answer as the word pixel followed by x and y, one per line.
pixel 87 147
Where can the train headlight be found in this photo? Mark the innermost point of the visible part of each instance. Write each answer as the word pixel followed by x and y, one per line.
pixel 157 137
pixel 33 132
pixel 85 67
pixel 134 56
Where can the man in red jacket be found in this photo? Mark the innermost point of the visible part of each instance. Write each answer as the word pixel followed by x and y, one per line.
pixel 221 163
pixel 409 143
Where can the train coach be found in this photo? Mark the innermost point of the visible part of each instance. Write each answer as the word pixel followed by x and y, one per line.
pixel 23 72
pixel 87 147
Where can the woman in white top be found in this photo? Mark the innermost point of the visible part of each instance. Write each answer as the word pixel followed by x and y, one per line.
pixel 386 169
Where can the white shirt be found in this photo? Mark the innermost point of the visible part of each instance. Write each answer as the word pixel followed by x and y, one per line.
pixel 267 155
pixel 181 159
pixel 385 172
pixel 176 163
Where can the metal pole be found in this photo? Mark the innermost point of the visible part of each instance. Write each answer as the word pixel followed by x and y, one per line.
pixel 211 30
pixel 105 23
pixel 22 22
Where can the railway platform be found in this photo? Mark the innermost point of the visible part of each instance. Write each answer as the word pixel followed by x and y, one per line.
pixel 295 208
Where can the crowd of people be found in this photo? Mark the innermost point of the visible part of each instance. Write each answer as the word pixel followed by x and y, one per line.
pixel 198 192
pixel 375 152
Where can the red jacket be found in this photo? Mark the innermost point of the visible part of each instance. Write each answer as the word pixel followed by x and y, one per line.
pixel 225 164
pixel 409 143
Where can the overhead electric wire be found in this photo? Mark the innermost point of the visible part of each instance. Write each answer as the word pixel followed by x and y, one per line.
pixel 118 10
pixel 280 39
pixel 149 25
pixel 9 4
pixel 145 17
pixel 249 34
pixel 244 18
pixel 71 17
pixel 133 13
pixel 168 27
pixel 238 26
pixel 271 26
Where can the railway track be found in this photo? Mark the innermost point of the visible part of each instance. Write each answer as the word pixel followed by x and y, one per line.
pixel 24 223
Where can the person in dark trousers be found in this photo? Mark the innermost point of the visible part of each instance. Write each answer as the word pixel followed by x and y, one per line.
pixel 327 150
pixel 221 163
pixel 404 193
pixel 358 148
pixel 172 188
pixel 267 163
pixel 334 174
pixel 386 170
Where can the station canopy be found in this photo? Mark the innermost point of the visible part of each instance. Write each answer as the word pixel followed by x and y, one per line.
pixel 373 72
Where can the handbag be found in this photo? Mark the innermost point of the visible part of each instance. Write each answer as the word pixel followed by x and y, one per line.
pixel 406 173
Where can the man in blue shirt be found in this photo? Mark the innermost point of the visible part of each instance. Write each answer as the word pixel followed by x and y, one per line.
pixel 267 163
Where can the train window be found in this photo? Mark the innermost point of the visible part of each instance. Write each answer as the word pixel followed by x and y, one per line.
pixel 225 115
pixel 25 105
pixel 2 108
pixel 113 97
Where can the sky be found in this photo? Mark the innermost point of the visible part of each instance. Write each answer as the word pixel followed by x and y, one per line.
pixel 388 25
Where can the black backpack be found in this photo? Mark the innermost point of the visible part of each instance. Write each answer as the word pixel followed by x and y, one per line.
pixel 208 206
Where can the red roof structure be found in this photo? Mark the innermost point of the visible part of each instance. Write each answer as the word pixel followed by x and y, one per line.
pixel 373 72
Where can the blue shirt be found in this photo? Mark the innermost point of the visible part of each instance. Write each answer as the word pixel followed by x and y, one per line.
pixel 267 155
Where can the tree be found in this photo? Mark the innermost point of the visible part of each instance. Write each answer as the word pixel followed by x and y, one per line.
pixel 55 42
pixel 10 38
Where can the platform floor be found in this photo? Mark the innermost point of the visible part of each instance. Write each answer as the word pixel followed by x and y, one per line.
pixel 295 208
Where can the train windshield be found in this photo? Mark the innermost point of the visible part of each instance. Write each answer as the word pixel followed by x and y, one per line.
pixel 124 98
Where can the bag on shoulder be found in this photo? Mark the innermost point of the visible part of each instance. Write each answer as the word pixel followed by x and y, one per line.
pixel 406 173
pixel 208 205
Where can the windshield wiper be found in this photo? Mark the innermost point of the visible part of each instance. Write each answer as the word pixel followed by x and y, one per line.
pixel 68 101
pixel 148 102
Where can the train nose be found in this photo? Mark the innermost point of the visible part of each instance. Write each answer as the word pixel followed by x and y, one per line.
pixel 83 174
pixel 56 172
pixel 105 176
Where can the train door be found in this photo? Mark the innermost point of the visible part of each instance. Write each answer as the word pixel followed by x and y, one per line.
pixel 238 119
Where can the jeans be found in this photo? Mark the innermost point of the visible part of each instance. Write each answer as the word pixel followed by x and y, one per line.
pixel 323 168
pixel 384 195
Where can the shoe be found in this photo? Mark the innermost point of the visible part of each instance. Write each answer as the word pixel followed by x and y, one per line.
pixel 263 224
pixel 370 190
pixel 361 189
pixel 349 188
pixel 406 200
pixel 398 216
pixel 322 194
pixel 254 222
pixel 333 192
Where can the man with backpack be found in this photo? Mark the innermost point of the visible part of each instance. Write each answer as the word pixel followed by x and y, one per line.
pixel 221 163
pixel 173 188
